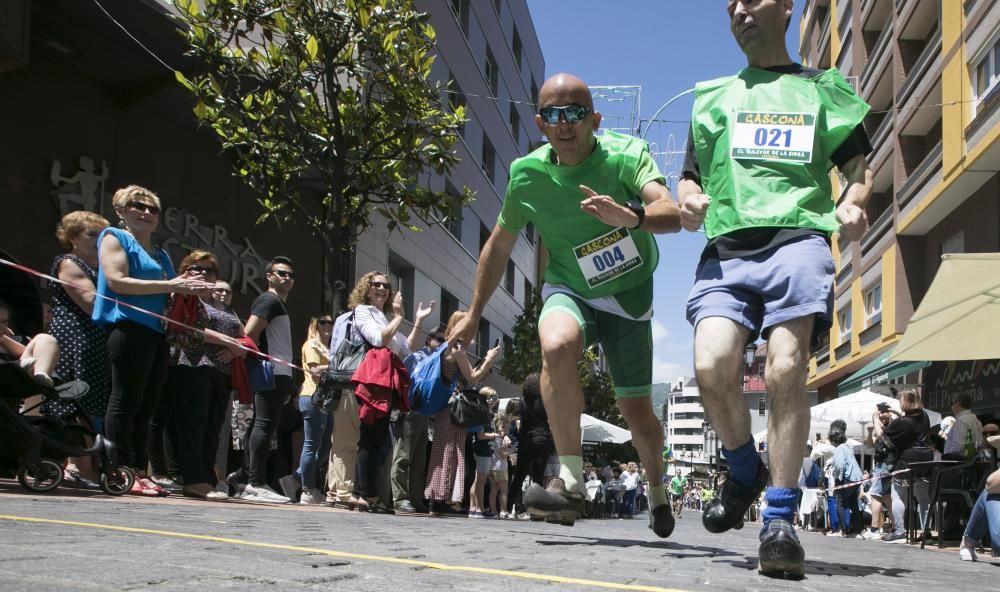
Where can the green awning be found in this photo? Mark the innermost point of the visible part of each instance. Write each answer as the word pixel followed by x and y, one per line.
pixel 878 371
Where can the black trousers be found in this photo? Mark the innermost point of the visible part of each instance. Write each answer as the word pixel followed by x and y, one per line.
pixel 200 396
pixel 847 499
pixel 267 409
pixel 138 358
pixel 371 440
pixel 533 451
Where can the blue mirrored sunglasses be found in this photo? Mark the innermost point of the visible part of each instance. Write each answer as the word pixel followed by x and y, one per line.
pixel 568 113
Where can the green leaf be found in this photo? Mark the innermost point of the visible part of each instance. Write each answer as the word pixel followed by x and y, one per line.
pixel 183 80
pixel 312 47
pixel 200 110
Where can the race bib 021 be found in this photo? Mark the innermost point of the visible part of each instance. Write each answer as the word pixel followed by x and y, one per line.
pixel 784 137
pixel 607 257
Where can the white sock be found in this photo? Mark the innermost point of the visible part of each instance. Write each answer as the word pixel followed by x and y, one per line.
pixel 571 472
pixel 657 495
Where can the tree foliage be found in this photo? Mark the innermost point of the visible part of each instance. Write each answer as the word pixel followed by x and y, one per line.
pixel 327 110
pixel 525 357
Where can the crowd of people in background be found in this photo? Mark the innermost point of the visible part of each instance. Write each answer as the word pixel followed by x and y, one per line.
pixel 186 416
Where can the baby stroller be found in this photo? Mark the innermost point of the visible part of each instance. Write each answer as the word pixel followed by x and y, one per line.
pixel 37 446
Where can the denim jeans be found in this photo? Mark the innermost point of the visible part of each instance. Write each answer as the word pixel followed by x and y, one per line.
pixel 317 425
pixel 985 518
pixel 628 501
pixel 900 495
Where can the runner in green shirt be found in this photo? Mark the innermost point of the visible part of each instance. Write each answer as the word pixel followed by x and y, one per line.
pixel 757 176
pixel 596 201
pixel 677 486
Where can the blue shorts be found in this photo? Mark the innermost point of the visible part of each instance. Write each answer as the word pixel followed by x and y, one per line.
pixel 789 281
pixel 880 486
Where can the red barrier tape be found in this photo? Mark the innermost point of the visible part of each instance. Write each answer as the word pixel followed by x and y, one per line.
pixel 879 477
pixel 229 340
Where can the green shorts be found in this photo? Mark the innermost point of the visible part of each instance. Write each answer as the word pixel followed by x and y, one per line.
pixel 627 344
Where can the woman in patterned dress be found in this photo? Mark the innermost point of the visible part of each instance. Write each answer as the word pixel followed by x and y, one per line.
pixel 198 381
pixel 83 345
pixel 446 468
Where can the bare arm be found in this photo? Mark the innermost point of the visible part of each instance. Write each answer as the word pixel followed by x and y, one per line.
pixel 662 213
pixel 13 348
pixel 465 367
pixel 413 340
pixel 114 265
pixel 851 209
pixel 492 265
pixel 81 292
pixel 255 326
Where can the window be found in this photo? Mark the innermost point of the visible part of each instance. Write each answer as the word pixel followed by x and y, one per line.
pixel 492 73
pixel 986 73
pixel 528 289
pixel 534 94
pixel 529 231
pixel 496 6
pixel 844 322
pixel 449 304
pixel 453 222
pixel 456 99
pixel 460 8
pixel 489 161
pixel 515 124
pixel 483 338
pixel 484 235
pixel 508 345
pixel 517 48
pixel 873 305
pixel 762 407
pixel 508 283
pixel 401 278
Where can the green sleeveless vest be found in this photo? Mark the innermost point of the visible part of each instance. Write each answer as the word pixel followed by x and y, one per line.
pixel 764 141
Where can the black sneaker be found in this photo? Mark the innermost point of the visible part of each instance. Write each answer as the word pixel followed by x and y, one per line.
pixel 727 508
pixel 661 521
pixel 780 553
pixel 404 507
pixel 554 501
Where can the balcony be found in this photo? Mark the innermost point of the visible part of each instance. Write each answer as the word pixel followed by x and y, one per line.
pixel 882 143
pixel 920 181
pixel 878 59
pixel 928 61
pixel 844 17
pixel 876 231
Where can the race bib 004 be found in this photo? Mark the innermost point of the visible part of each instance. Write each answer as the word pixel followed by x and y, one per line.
pixel 785 137
pixel 607 257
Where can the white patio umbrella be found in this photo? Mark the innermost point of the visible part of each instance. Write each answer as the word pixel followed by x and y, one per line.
pixel 596 430
pixel 853 408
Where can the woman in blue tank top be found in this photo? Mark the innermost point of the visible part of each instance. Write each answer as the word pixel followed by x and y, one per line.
pixel 134 272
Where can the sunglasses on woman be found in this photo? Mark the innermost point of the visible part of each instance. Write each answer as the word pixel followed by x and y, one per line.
pixel 385 285
pixel 569 113
pixel 201 270
pixel 143 207
pixel 324 323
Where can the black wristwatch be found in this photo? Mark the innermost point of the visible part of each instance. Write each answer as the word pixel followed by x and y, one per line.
pixel 639 211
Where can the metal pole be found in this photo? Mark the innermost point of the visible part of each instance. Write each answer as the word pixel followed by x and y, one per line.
pixel 660 110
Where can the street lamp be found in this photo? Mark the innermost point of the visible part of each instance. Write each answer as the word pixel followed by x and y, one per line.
pixel 749 355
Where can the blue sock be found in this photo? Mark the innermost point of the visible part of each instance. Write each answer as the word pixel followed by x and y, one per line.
pixel 743 463
pixel 780 504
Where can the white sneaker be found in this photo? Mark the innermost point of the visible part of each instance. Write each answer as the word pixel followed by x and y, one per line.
pixel 253 493
pixel 869 535
pixel 312 497
pixel 967 550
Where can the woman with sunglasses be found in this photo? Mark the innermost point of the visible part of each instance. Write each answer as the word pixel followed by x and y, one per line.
pixel 198 381
pixel 83 345
pixel 372 301
pixel 133 281
pixel 317 423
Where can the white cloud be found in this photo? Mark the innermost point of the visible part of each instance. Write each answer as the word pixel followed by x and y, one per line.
pixel 660 331
pixel 669 370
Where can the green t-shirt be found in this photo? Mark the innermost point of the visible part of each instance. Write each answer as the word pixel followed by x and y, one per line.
pixel 587 256
pixel 677 485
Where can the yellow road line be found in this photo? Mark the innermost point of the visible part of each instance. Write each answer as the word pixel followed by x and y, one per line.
pixel 346 555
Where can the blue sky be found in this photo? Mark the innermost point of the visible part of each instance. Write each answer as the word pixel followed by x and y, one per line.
pixel 664 46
